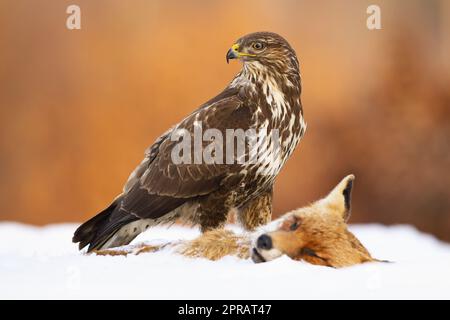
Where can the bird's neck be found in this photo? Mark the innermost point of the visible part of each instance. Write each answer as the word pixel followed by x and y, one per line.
pixel 270 79
pixel 284 73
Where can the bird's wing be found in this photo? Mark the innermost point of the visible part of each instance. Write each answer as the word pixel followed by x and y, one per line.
pixel 158 185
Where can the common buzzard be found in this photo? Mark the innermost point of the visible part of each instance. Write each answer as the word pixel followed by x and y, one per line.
pixel 265 96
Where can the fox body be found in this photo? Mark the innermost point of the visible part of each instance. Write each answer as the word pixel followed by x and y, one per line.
pixel 317 234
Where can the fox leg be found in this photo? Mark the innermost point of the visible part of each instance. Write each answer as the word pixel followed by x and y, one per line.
pixel 126 250
pixel 216 244
pixel 257 212
pixel 212 245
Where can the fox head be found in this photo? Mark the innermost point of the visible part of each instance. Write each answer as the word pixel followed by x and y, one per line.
pixel 317 234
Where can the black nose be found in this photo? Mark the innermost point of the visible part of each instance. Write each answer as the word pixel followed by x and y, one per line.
pixel 264 242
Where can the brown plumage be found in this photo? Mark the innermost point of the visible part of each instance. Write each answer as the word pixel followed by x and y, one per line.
pixel 316 234
pixel 264 95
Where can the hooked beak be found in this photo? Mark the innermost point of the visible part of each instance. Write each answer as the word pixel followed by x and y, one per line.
pixel 233 53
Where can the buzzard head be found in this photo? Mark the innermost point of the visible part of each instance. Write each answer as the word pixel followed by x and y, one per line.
pixel 264 48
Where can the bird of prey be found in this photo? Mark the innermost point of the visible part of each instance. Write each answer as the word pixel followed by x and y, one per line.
pixel 264 95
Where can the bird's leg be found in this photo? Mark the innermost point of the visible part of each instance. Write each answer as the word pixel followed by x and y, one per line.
pixel 212 219
pixel 213 212
pixel 257 212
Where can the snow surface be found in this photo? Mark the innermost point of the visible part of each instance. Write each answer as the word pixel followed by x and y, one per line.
pixel 41 262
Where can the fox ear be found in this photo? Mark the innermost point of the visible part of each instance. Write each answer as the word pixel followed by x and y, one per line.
pixel 339 199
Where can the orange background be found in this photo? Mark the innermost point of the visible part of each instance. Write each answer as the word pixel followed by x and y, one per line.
pixel 78 108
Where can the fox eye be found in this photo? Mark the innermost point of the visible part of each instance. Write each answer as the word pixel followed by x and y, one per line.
pixel 294 226
pixel 258 45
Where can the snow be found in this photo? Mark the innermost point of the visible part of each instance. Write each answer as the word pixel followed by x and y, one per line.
pixel 41 262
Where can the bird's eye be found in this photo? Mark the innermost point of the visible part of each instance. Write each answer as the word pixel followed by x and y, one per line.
pixel 258 45
pixel 294 226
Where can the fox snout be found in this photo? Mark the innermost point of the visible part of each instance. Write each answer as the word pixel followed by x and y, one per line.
pixel 263 249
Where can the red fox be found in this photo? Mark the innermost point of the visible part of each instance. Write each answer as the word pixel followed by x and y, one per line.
pixel 316 234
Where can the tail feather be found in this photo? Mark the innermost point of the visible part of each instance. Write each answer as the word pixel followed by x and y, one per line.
pixel 99 229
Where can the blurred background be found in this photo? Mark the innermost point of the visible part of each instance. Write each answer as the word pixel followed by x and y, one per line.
pixel 79 107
